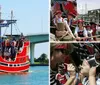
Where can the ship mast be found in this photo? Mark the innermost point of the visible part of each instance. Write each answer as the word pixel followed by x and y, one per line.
pixel 0 21
pixel 11 21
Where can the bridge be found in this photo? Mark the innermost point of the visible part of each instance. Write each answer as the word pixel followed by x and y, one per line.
pixel 34 39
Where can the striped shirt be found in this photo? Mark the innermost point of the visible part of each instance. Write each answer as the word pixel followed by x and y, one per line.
pixel 53 80
pixel 86 81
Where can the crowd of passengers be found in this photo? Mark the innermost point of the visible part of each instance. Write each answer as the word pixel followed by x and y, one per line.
pixel 10 46
pixel 63 17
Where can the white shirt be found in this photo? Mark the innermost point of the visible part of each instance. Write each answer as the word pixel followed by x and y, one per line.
pixel 98 28
pixel 77 30
pixel 59 20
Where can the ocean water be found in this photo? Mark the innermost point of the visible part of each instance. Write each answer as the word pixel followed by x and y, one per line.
pixel 37 75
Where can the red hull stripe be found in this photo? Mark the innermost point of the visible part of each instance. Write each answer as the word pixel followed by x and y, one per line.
pixel 21 71
pixel 13 65
pixel 14 69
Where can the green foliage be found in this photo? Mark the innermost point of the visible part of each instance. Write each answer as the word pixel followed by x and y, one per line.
pixel 43 59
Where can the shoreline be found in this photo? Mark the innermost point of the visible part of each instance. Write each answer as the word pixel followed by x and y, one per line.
pixel 39 64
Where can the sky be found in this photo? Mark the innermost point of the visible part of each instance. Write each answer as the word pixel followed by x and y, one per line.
pixel 84 5
pixel 32 18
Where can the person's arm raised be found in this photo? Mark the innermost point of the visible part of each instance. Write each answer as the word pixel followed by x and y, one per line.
pixel 71 70
pixel 92 78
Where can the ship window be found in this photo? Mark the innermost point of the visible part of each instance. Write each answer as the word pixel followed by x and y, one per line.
pixel 14 64
pixel 18 65
pixel 10 65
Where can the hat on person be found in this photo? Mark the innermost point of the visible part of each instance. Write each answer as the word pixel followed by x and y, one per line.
pixel 61 46
pixel 92 23
pixel 68 47
pixel 58 46
pixel 72 14
pixel 80 21
pixel 58 12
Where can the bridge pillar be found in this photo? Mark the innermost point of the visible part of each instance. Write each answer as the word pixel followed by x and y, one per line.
pixel 32 53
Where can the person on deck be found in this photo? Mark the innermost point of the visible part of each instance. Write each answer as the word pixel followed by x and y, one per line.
pixel 70 20
pixel 13 48
pixel 89 32
pixel 80 31
pixel 20 41
pixel 64 29
pixel 93 27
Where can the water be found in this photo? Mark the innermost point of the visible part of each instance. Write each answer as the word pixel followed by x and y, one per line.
pixel 38 75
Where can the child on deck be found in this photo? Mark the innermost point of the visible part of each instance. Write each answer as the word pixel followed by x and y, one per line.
pixel 89 32
pixel 80 31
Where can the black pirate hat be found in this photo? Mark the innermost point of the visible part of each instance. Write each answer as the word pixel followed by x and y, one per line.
pixel 92 23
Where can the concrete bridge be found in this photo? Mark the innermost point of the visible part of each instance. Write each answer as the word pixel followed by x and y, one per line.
pixel 34 39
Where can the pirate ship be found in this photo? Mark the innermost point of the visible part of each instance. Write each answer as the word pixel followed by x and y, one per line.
pixel 14 56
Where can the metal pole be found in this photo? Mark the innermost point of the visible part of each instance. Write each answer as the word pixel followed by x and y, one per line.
pixel 0 20
pixel 11 21
pixel 98 16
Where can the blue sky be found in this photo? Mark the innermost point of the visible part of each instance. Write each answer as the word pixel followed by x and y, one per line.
pixel 32 16
pixel 91 4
